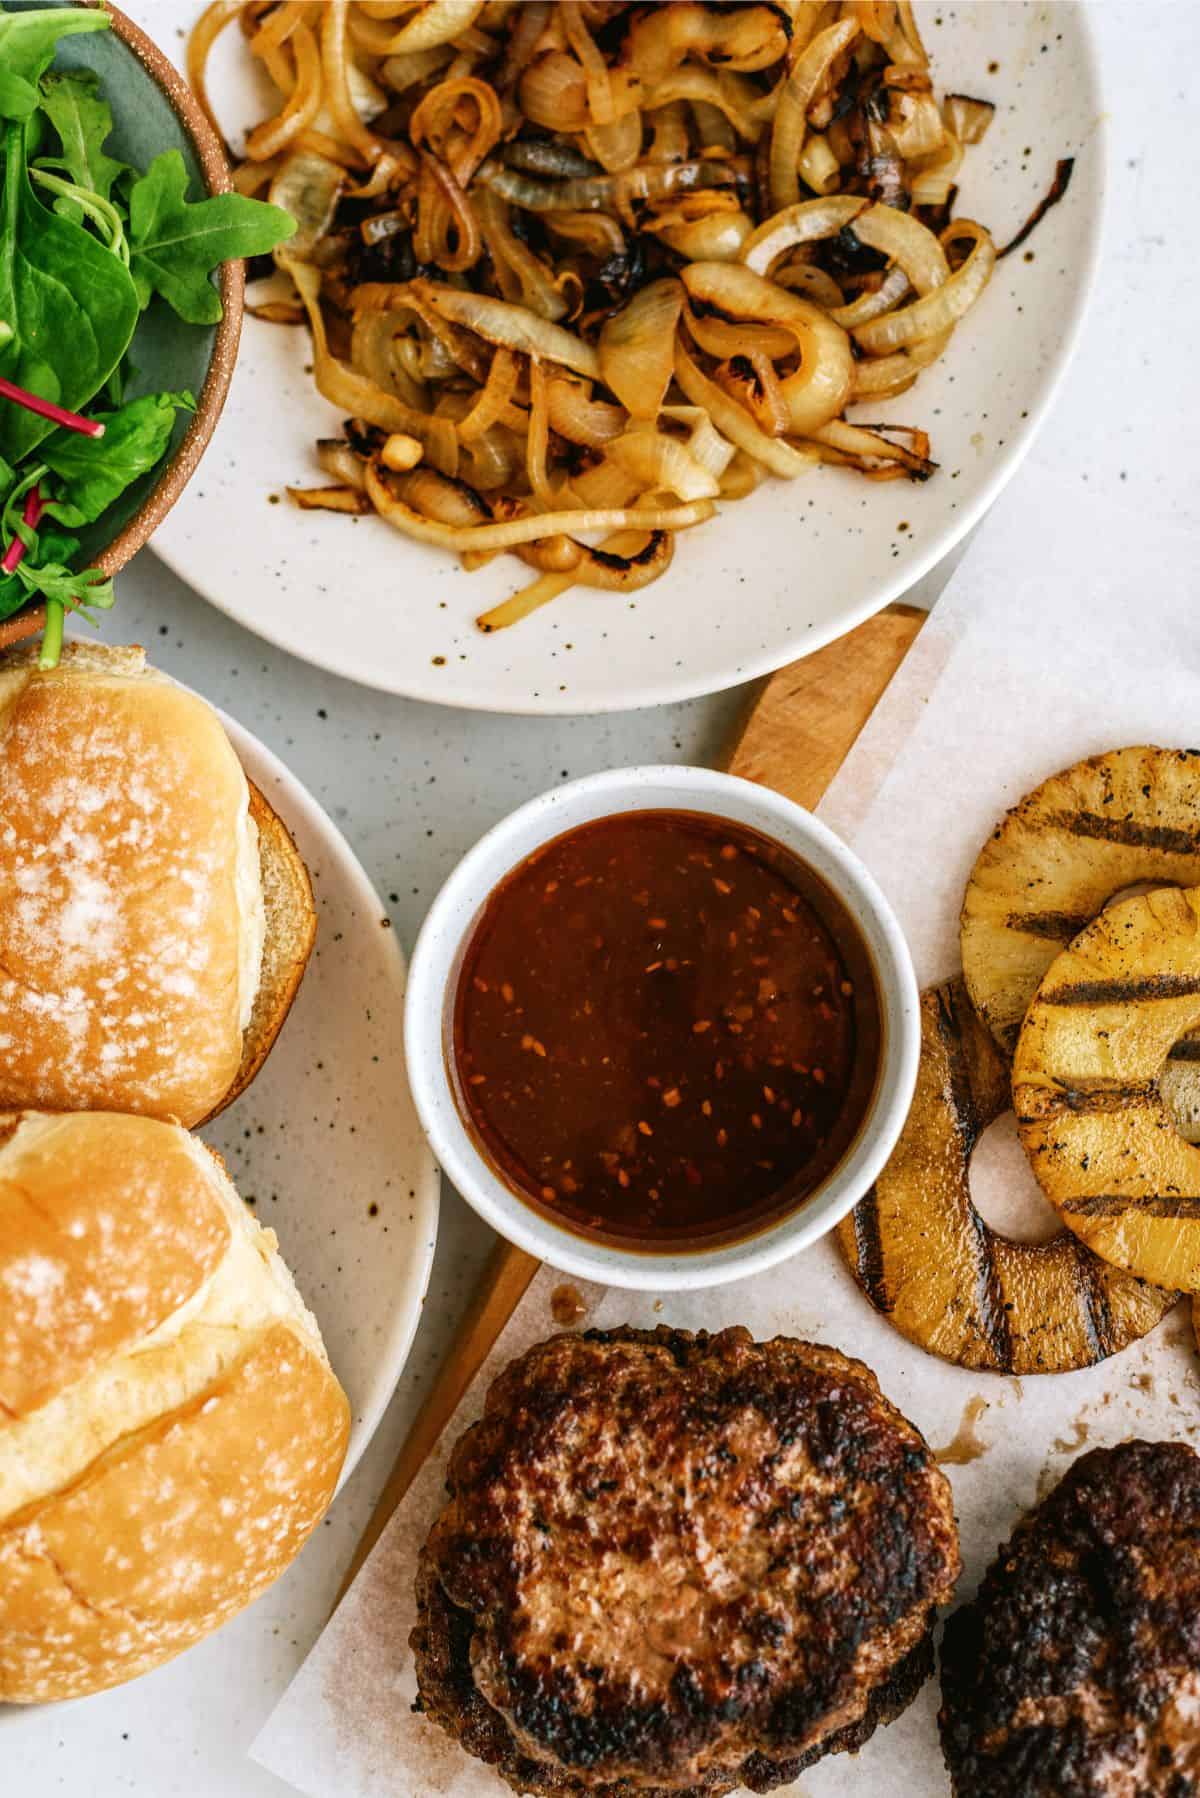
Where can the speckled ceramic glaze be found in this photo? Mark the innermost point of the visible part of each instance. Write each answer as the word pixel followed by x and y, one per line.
pixel 326 1144
pixel 435 967
pixel 775 575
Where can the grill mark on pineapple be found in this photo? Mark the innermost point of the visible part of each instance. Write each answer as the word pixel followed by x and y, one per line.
pixel 868 1251
pixel 1054 926
pixel 1123 992
pixel 1186 1049
pixel 992 1316
pixel 1129 832
pixel 1094 1309
pixel 1164 1205
pixel 1098 1100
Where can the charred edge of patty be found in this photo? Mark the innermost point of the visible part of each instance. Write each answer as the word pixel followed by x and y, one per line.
pixel 909 1556
pixel 441 1644
pixel 1070 1607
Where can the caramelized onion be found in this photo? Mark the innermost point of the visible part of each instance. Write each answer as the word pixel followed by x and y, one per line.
pixel 472 177
pixel 637 347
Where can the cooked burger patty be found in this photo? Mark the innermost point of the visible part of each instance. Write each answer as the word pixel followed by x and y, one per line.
pixel 675 1564
pixel 1075 1673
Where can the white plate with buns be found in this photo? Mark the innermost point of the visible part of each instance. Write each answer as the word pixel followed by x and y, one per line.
pixel 326 1145
pixel 162 880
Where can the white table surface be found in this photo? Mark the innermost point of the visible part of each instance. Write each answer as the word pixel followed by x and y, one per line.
pixel 412 786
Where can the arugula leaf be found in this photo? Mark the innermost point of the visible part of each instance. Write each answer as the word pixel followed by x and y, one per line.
pixel 70 302
pixel 28 39
pixel 176 243
pixel 18 97
pixel 97 470
pixel 83 121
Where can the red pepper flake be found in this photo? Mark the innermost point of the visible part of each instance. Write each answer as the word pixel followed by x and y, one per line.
pixel 652 967
pixel 728 852
pixel 622 1177
pixel 722 886
pixel 657 923
pixel 478 1080
pixel 506 993
pixel 733 939
pixel 722 1138
pixel 549 1194
pixel 532 1043
pixel 818 1075
pixel 756 1120
pixel 481 986
pixel 551 886
pixel 706 1107
pixel 797 1118
pixel 769 1094
pixel 787 913
pixel 701 1025
pixel 644 1127
pixel 847 987
pixel 672 1098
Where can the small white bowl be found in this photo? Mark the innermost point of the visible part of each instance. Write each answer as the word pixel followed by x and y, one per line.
pixel 434 968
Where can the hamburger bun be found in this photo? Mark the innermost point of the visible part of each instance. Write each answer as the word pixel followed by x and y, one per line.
pixel 155 915
pixel 170 1428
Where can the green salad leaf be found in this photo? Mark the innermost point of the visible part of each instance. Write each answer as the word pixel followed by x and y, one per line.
pixel 83 121
pixel 70 303
pixel 86 243
pixel 18 97
pixel 175 243
pixel 28 39
pixel 97 470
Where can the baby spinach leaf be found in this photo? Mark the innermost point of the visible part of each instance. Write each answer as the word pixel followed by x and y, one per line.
pixel 97 470
pixel 70 302
pixel 18 97
pixel 28 39
pixel 83 121
pixel 176 243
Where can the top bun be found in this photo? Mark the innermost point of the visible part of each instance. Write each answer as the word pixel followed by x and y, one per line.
pixel 132 917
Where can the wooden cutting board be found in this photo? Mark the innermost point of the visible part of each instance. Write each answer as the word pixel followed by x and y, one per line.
pixel 797 733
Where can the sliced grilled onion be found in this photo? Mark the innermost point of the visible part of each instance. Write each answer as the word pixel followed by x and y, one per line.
pixel 940 310
pixel 622 563
pixel 719 237
pixel 729 418
pixel 791 114
pixel 353 392
pixel 637 347
pixel 338 460
pixel 661 463
pixel 528 529
pixel 308 187
pixel 436 23
pixel 968 119
pixel 498 390
pixel 329 499
pixel 581 419
pixel 509 326
pixel 821 385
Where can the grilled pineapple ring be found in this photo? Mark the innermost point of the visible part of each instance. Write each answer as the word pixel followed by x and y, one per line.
pixel 1091 1115
pixel 928 1261
pixel 1116 821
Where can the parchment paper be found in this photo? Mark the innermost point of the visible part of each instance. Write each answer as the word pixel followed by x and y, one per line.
pixel 1069 628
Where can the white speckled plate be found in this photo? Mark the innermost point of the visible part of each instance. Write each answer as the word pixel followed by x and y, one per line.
pixel 776 575
pixel 326 1143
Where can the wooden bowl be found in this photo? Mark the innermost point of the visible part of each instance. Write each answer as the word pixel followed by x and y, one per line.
pixel 153 110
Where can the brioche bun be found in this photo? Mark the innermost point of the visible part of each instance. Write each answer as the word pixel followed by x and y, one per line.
pixel 170 1428
pixel 155 915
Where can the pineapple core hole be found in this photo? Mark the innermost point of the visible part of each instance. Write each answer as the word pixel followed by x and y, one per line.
pixel 1003 1189
pixel 1179 1088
